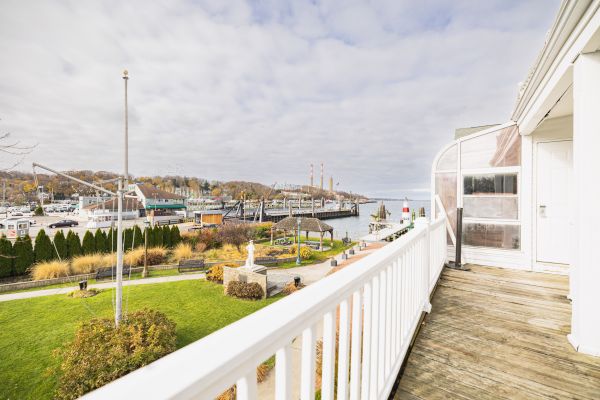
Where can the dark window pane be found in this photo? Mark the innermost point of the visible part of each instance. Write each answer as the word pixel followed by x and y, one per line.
pixel 490 184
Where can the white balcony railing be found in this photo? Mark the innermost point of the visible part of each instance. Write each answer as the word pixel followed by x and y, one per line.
pixel 379 301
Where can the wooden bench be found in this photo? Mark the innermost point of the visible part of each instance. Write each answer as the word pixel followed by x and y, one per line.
pixel 283 242
pixel 191 265
pixel 109 272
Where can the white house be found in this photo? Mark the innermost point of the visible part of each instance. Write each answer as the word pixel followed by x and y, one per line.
pixel 529 187
pixel 153 198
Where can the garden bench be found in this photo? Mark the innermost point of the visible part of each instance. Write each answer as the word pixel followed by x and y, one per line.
pixel 283 242
pixel 109 272
pixel 191 265
pixel 265 260
pixel 313 245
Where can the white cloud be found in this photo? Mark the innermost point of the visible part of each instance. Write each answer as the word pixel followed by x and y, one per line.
pixel 258 90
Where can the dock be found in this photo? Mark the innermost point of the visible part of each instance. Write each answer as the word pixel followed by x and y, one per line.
pixel 271 215
pixel 393 232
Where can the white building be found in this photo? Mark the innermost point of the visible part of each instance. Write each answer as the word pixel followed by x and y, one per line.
pixel 528 187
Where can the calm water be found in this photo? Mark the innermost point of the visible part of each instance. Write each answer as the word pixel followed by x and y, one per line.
pixel 359 226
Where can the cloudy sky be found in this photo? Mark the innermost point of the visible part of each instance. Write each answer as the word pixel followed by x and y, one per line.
pixel 257 90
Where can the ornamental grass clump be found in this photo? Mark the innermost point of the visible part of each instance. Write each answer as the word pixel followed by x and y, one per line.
pixel 244 290
pixel 50 270
pixel 87 264
pixel 182 251
pixel 135 258
pixel 101 353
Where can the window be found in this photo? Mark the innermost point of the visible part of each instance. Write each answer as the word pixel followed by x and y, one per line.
pixel 489 176
pixel 490 184
pixel 492 235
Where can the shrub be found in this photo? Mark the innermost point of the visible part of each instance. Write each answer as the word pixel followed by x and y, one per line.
pixel 210 237
pixel 111 241
pixel 183 251
pixel 101 353
pixel 39 211
pixel 135 257
pixel 305 252
pixel 166 235
pixel 88 245
pixel 200 247
pixel 235 234
pixel 175 236
pixel 24 256
pixel 60 245
pixel 138 237
pixel 6 257
pixel 73 244
pixel 244 290
pixel 128 239
pixel 215 274
pixel 100 241
pixel 157 235
pixel 87 263
pixel 291 288
pixel 50 270
pixel 44 251
pixel 263 231
pixel 82 294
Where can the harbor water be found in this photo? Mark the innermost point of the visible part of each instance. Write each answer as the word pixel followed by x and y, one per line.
pixel 357 227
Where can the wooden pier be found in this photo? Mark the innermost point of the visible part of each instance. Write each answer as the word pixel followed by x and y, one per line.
pixel 278 215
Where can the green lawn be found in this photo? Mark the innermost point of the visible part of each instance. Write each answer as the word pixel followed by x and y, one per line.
pixel 319 256
pixel 32 328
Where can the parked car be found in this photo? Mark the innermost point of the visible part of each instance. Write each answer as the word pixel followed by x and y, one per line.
pixel 63 223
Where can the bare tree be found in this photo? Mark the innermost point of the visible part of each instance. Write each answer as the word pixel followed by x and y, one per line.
pixel 14 149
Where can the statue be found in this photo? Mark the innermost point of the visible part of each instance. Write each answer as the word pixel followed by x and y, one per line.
pixel 250 259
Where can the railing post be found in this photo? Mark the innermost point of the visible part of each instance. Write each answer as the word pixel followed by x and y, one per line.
pixel 422 222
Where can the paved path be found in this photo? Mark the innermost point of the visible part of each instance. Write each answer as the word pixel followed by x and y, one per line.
pixel 107 285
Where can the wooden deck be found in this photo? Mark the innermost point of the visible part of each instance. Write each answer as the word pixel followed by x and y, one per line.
pixel 496 333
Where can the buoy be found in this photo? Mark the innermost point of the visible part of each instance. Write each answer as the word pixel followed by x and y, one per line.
pixel 405 212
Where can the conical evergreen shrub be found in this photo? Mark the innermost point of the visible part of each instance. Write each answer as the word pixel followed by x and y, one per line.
pixel 73 244
pixel 158 237
pixel 6 257
pixel 111 241
pixel 166 234
pixel 175 236
pixel 138 237
pixel 100 240
pixel 60 245
pixel 24 256
pixel 88 246
pixel 44 250
pixel 127 238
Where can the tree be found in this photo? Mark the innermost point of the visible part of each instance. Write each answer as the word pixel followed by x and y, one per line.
pixel 60 245
pixel 151 239
pixel 88 246
pixel 157 233
pixel 12 149
pixel 73 244
pixel 138 237
pixel 111 241
pixel 39 211
pixel 166 235
pixel 100 241
pixel 175 236
pixel 44 250
pixel 234 234
pixel 24 256
pixel 6 257
pixel 127 238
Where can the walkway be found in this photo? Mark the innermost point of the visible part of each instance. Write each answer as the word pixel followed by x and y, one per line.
pixel 496 333
pixel 107 285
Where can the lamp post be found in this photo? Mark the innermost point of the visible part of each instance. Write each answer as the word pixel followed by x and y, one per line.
pixel 145 271
pixel 298 260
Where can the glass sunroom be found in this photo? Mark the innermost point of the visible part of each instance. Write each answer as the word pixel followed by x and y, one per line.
pixel 481 173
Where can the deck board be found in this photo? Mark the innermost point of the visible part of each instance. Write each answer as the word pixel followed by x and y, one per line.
pixel 497 333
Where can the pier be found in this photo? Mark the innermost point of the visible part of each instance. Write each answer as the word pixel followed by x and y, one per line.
pixel 279 214
pixel 388 234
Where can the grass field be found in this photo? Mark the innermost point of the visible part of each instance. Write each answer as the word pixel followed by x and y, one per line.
pixel 32 328
pixel 319 256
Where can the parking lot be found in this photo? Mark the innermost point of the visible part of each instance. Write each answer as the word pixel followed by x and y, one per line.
pixel 46 220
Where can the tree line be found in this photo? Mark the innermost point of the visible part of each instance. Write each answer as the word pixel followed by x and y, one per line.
pixel 17 258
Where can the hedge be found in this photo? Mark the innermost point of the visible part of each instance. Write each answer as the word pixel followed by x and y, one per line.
pixel 6 257
pixel 44 250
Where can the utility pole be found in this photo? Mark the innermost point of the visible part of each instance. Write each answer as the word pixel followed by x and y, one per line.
pixel 321 176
